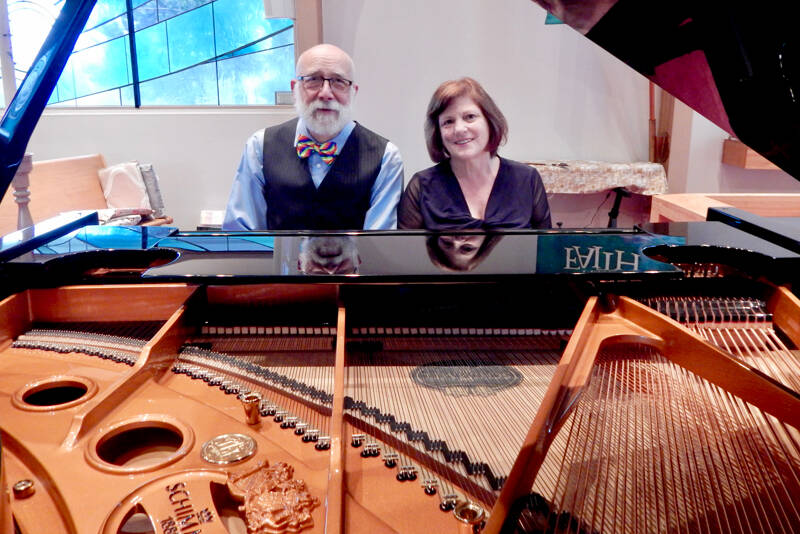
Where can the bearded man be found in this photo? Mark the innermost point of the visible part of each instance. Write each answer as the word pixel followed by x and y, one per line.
pixel 321 171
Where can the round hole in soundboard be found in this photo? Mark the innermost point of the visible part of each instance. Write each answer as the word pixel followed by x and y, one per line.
pixel 54 393
pixel 140 447
pixel 145 442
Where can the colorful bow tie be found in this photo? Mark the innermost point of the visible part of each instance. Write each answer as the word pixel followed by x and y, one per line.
pixel 306 145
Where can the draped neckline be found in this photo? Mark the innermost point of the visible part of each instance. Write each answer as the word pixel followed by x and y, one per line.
pixel 457 193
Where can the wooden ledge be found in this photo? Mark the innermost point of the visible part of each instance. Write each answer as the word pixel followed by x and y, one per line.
pixel 736 153
pixel 694 206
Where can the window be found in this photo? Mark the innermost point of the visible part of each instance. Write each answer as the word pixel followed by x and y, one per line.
pixel 187 52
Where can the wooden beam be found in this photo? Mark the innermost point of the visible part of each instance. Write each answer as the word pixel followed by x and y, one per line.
pixel 308 25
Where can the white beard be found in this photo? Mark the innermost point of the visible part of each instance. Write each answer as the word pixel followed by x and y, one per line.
pixel 325 125
pixel 328 255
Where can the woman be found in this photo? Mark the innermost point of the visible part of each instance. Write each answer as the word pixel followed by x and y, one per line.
pixel 471 186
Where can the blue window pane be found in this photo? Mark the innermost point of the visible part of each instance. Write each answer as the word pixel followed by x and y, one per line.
pixel 284 34
pixel 193 87
pixel 253 79
pixel 126 95
pixel 128 59
pixel 65 88
pixel 107 98
pixel 151 51
pixel 172 8
pixel 145 15
pixel 239 22
pixel 267 44
pixel 105 10
pixel 258 53
pixel 105 32
pixel 101 67
pixel 191 38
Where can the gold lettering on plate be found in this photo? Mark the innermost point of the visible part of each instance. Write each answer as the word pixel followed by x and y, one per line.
pixel 273 501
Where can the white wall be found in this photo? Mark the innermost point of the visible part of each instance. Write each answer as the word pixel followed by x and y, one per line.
pixel 707 173
pixel 564 97
pixel 194 151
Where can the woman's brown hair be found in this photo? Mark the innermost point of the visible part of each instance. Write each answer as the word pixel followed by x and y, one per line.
pixel 444 96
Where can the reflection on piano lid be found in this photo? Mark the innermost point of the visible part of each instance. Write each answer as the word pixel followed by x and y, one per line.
pixel 96 253
pixel 27 239
pixel 782 231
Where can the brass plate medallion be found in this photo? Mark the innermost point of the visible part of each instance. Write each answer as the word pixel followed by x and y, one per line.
pixel 228 448
pixel 459 377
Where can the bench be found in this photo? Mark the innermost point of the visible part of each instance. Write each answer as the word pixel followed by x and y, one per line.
pixel 60 185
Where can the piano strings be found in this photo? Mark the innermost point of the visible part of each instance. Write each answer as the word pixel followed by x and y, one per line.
pixel 651 447
pixel 452 402
pixel 648 447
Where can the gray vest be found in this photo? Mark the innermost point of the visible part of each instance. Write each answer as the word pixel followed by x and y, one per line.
pixel 342 199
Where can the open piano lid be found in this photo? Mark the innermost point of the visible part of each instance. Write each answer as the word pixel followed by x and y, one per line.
pixel 728 60
pixel 734 65
pixel 24 110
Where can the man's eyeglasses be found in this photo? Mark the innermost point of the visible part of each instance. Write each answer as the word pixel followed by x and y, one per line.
pixel 315 83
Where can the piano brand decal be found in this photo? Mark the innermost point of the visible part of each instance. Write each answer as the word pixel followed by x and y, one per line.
pixel 565 253
pixel 596 258
pixel 186 520
pixel 459 378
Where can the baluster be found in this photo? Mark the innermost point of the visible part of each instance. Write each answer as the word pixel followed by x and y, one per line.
pixel 22 193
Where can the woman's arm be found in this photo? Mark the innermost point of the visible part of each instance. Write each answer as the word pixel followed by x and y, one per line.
pixel 409 212
pixel 540 214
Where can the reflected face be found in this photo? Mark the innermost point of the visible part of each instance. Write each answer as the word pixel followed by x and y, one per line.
pixel 328 255
pixel 461 249
pixel 325 110
pixel 464 129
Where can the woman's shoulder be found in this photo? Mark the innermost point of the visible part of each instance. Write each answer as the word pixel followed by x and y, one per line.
pixel 435 172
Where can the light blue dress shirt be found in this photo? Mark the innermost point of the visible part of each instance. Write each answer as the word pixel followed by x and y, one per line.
pixel 247 207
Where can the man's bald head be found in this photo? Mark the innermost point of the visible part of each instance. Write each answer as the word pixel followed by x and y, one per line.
pixel 327 107
pixel 326 57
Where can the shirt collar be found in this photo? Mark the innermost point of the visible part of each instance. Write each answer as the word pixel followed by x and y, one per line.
pixel 340 138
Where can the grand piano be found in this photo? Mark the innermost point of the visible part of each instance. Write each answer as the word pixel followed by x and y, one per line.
pixel 614 380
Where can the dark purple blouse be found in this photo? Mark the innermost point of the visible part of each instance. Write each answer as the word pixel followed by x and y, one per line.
pixel 433 200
